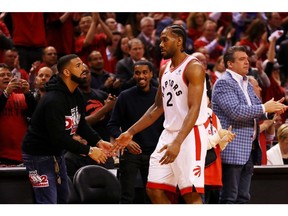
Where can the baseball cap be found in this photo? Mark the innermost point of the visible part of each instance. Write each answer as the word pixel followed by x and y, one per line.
pixel 275 65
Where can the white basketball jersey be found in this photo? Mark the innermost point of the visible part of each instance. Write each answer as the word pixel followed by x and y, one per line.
pixel 175 97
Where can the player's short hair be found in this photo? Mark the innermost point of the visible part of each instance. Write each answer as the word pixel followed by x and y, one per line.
pixel 180 31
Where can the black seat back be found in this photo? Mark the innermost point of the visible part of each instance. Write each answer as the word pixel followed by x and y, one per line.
pixel 95 184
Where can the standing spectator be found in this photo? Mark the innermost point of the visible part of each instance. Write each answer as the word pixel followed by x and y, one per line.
pixel 5 40
pixel 59 115
pixel 98 106
pixel 150 41
pixel 121 52
pixel 16 103
pixel 209 75
pixel 255 37
pixel 11 59
pixel 266 127
pixel 195 24
pixel 272 69
pixel 124 67
pixel 49 59
pixel 178 159
pixel 29 37
pixel 209 42
pixel 126 112
pixel 90 40
pixel 235 103
pixel 113 25
pixel 100 78
pixel 60 32
pixel 278 154
pixel 111 47
pixel 132 25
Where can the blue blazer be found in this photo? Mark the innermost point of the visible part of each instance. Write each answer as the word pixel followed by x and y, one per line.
pixel 231 107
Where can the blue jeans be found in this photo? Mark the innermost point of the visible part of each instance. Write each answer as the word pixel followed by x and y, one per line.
pixel 236 183
pixel 43 177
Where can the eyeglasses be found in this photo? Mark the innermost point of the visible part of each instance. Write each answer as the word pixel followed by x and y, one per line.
pixel 7 74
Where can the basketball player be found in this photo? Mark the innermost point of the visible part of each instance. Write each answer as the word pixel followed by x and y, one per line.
pixel 179 157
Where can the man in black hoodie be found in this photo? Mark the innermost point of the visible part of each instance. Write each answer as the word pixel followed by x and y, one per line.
pixel 58 118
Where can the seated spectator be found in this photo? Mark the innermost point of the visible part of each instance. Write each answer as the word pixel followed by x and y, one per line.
pixel 16 103
pixel 43 76
pixel 100 78
pixel 278 154
pixel 124 67
pixel 219 67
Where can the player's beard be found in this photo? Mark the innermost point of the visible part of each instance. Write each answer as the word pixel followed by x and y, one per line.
pixel 78 80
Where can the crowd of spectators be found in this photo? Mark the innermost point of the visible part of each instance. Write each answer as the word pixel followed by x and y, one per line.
pixel 110 43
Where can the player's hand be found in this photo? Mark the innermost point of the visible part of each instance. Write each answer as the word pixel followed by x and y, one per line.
pixel 172 151
pixel 122 141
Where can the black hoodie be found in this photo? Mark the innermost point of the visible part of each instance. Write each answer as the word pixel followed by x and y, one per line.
pixel 58 116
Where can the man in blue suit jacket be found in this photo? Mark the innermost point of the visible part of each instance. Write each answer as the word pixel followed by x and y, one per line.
pixel 236 104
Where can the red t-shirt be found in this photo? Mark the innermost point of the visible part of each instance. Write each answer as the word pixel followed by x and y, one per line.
pixel 13 127
pixel 98 43
pixel 28 29
pixel 60 36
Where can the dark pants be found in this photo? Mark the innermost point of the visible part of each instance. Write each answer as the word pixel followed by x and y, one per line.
pixel 129 166
pixel 236 183
pixel 43 178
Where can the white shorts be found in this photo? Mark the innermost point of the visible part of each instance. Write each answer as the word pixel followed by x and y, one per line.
pixel 188 168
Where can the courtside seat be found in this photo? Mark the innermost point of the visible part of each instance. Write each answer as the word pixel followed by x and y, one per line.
pixel 15 187
pixel 269 185
pixel 95 184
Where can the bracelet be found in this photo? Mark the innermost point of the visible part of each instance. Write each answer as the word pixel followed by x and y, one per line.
pixel 6 93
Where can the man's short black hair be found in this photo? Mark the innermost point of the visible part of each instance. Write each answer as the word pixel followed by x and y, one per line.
pixel 180 31
pixel 144 62
pixel 64 60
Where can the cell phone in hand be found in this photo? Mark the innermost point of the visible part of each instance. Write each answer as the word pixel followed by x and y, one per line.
pixel 17 75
